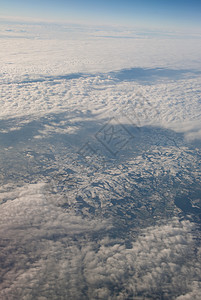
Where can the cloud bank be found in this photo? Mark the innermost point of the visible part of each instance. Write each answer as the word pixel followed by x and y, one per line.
pixel 53 83
pixel 47 253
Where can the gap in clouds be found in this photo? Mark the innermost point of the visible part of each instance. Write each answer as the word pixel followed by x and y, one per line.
pixel 40 151
pixel 100 194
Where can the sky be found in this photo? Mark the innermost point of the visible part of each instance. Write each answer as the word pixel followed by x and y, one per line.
pixel 179 13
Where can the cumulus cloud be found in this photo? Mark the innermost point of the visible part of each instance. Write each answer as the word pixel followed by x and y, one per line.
pixel 47 253
pixel 195 292
pixel 37 238
pixel 158 264
pixel 172 105
pixel 76 74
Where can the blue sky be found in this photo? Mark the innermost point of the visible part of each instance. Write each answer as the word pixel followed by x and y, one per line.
pixel 180 13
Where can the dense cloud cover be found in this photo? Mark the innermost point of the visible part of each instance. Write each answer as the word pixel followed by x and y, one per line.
pixel 49 254
pixel 59 85
pixel 53 69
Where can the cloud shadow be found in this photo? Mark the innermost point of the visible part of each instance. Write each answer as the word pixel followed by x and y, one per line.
pixel 152 75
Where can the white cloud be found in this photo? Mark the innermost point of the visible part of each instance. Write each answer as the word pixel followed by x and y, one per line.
pixel 194 294
pixel 173 105
pixel 49 253
pixel 41 78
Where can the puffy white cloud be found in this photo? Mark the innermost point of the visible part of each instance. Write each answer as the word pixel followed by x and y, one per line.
pixel 38 242
pixel 194 294
pixel 55 73
pixel 173 105
pixel 158 262
pixel 47 253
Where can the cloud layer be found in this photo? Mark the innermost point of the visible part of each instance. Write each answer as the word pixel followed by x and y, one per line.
pixel 47 253
pixel 66 82
pixel 67 68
